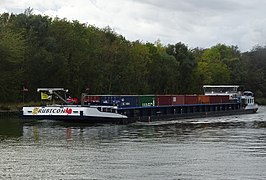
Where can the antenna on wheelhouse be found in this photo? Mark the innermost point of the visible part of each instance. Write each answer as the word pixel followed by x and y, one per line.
pixel 52 91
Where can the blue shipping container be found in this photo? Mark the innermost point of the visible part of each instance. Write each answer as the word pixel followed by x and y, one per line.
pixel 120 100
pixel 129 101
pixel 110 99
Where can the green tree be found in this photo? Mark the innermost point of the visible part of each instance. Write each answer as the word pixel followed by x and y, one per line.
pixel 255 70
pixel 38 51
pixel 185 58
pixel 139 60
pixel 163 70
pixel 213 68
pixel 12 49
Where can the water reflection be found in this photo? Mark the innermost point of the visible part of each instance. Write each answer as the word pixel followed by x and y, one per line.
pixel 179 131
pixel 10 128
pixel 35 133
pixel 39 130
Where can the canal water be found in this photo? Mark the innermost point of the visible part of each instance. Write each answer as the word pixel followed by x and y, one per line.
pixel 229 147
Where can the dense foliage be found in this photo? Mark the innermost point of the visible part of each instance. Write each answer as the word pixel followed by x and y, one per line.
pixel 38 51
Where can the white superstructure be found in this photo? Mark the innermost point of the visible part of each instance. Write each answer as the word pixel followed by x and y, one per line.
pixel 235 93
pixel 248 100
pixel 69 112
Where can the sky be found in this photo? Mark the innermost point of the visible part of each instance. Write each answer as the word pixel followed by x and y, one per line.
pixel 196 23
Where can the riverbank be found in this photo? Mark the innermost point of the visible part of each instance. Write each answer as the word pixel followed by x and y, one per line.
pixel 13 109
pixel 9 110
pixel 261 101
pixel 8 113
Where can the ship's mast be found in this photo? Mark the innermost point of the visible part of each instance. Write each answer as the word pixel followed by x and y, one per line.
pixel 54 91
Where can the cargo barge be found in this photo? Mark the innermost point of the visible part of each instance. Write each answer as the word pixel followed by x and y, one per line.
pixel 216 101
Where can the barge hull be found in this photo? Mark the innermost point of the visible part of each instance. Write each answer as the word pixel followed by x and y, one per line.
pixel 154 113
pixel 188 116
pixel 160 113
pixel 166 117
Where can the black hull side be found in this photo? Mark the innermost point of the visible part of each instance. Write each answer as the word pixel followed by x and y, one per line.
pixel 189 115
pixel 160 113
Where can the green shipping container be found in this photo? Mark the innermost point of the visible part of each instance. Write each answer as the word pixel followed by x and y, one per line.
pixel 147 100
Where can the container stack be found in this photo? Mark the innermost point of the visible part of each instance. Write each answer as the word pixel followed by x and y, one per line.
pixel 153 100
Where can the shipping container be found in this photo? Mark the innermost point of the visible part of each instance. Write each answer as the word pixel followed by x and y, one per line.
pixel 178 99
pixel 129 101
pixel 219 99
pixel 147 100
pixel 225 99
pixel 168 100
pixel 163 100
pixel 110 99
pixel 91 99
pixel 120 100
pixel 191 99
pixel 203 99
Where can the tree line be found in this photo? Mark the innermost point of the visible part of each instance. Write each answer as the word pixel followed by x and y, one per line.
pixel 40 51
